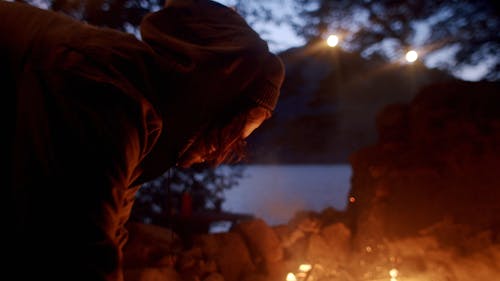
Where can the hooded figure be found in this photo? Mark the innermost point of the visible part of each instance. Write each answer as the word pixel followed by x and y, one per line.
pixel 93 113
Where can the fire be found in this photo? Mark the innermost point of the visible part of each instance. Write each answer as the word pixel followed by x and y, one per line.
pixel 393 273
pixel 305 267
pixel 303 273
pixel 291 277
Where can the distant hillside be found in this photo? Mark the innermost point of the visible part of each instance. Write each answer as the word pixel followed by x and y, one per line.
pixel 328 105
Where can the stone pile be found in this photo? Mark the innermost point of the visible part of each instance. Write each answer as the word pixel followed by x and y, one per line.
pixel 254 251
pixel 437 158
pixel 250 251
pixel 424 205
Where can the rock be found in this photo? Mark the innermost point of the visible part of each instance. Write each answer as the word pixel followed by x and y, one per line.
pixel 264 244
pixel 256 277
pixel 338 238
pixel 278 270
pixel 230 253
pixel 189 258
pixel 150 246
pixel 436 157
pixel 214 277
pixel 318 251
pixel 306 221
pixel 151 274
pixel 291 237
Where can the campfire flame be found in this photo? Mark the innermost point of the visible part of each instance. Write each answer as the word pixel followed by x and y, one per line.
pixel 393 273
pixel 302 274
pixel 305 267
pixel 291 277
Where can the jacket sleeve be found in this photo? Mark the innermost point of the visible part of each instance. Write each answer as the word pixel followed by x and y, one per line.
pixel 78 131
pixel 82 140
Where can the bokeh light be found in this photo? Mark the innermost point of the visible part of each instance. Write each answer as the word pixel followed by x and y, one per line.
pixel 290 277
pixel 411 56
pixel 332 40
pixel 393 273
pixel 305 267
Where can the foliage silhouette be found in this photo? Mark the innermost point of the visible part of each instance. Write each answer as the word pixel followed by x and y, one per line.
pixel 159 201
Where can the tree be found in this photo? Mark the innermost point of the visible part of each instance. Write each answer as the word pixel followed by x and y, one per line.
pixel 468 29
pixel 387 29
pixel 159 200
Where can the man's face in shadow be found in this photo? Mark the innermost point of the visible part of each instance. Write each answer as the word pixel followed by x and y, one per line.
pixel 205 145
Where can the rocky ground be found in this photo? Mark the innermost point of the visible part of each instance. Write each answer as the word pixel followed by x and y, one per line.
pixel 423 206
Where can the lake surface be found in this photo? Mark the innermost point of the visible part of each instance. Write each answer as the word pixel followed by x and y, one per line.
pixel 275 192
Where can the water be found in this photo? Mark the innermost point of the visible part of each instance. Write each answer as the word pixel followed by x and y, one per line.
pixel 275 192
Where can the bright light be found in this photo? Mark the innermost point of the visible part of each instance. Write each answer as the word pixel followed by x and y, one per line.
pixel 393 273
pixel 332 40
pixel 305 267
pixel 290 277
pixel 411 56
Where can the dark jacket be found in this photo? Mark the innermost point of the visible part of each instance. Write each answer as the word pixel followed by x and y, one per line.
pixel 93 113
pixel 80 122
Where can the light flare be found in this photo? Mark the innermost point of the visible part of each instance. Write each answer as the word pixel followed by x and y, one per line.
pixel 332 40
pixel 411 56
pixel 305 267
pixel 290 277
pixel 393 273
pixel 302 273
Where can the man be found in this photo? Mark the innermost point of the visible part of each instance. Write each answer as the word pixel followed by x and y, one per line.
pixel 93 113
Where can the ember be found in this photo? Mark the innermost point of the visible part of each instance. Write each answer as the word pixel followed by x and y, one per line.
pixel 304 271
pixel 393 273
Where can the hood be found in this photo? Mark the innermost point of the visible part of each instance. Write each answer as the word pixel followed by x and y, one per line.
pixel 220 55
pixel 214 58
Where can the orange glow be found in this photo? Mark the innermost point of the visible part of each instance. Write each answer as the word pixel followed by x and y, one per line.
pixel 393 273
pixel 302 274
pixel 290 277
pixel 352 199
pixel 332 40
pixel 305 267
